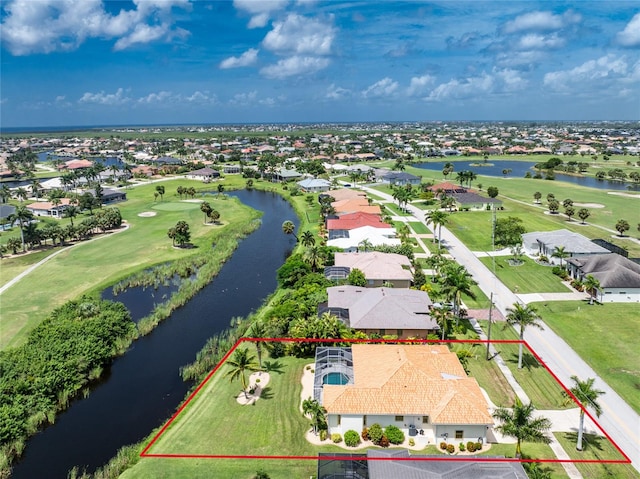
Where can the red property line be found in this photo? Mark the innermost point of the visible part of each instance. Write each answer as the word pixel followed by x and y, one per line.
pixel 145 452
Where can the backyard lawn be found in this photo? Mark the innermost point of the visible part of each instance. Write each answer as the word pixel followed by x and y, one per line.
pixel 537 382
pixel 605 336
pixel 529 277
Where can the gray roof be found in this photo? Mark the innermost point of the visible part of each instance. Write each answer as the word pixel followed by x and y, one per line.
pixel 572 242
pixel 383 308
pixel 612 270
pixel 7 210
pixel 439 467
pixel 468 198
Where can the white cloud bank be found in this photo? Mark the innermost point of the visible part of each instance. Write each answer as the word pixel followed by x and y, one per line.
pixel 246 59
pixel 630 36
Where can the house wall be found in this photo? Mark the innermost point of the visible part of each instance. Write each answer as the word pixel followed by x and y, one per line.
pixel 359 422
pixel 405 333
pixel 620 295
pixel 469 433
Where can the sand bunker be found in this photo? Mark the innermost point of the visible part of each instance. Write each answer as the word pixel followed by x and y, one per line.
pixel 627 195
pixel 147 214
pixel 589 205
pixel 257 382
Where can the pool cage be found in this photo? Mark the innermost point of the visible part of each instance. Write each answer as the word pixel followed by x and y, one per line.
pixel 332 362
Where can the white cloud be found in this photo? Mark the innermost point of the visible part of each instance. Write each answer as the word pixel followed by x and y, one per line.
pixel 608 66
pixel 102 98
pixel 630 36
pixel 199 97
pixel 541 21
pixel 465 88
pixel 419 84
pixel 535 41
pixel 336 93
pixel 300 35
pixel 295 65
pixel 510 80
pixel 518 59
pixel 247 58
pixel 381 88
pixel 260 10
pixel 244 99
pixel 46 26
pixel 159 97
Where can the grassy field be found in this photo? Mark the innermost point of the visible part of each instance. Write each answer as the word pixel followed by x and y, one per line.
pixel 538 384
pixel 95 264
pixel 605 336
pixel 419 228
pixel 596 448
pixel 490 378
pixel 529 277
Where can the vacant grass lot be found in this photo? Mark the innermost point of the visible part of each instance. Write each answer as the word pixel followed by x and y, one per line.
pixel 540 386
pixel 95 264
pixel 605 336
pixel 596 448
pixel 529 277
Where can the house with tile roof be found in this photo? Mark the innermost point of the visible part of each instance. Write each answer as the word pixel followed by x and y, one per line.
pixel 545 243
pixel 378 268
pixel 619 277
pixel 353 205
pixel 422 389
pixel 47 208
pixel 374 236
pixel 339 227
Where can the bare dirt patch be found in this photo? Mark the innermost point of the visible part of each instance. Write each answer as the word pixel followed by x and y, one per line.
pixel 147 214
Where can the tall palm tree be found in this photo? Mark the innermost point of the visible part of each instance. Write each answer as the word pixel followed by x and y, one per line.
pixel 160 190
pixel 560 253
pixel 314 256
pixel 206 209
pixel 443 318
pixel 313 409
pixel 21 194
pixel 591 285
pixel 457 281
pixel 258 331
pixel 307 239
pixel 365 245
pixel 240 362
pixel 71 212
pixel 520 424
pixel 587 395
pixel 289 228
pixel 438 218
pixel 21 216
pixel 524 317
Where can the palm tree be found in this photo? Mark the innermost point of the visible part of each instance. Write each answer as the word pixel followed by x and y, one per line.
pixel 591 285
pixel 587 395
pixel 160 191
pixel 456 282
pixel 307 239
pixel 21 194
pixel 21 216
pixel 314 257
pixel 220 189
pixel 442 316
pixel 240 362
pixel 622 226
pixel 520 424
pixel 365 245
pixel 258 331
pixel 560 253
pixel 523 316
pixel 71 212
pixel 289 228
pixel 313 409
pixel 438 218
pixel 206 209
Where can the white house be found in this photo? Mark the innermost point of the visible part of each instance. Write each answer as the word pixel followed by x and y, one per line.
pixel 619 277
pixel 546 242
pixel 314 185
pixel 421 389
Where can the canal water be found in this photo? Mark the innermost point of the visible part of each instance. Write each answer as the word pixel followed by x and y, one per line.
pixel 518 170
pixel 143 388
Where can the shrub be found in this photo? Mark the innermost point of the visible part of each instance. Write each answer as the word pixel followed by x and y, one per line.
pixel 471 446
pixel 376 433
pixel 257 380
pixel 451 448
pixel 412 442
pixel 478 446
pixel 443 445
pixel 461 447
pixel 336 438
pixel 365 434
pixel 323 434
pixel 384 442
pixel 394 434
pixel 351 438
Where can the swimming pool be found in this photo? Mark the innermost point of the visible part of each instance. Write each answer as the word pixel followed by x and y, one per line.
pixel 335 378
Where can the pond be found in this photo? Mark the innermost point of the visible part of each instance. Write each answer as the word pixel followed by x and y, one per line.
pixel 108 161
pixel 143 388
pixel 518 170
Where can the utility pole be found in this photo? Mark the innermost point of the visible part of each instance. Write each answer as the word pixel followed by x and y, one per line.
pixel 489 329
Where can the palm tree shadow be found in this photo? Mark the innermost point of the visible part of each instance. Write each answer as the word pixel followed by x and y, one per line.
pixel 266 393
pixel 273 367
pixel 588 440
pixel 528 361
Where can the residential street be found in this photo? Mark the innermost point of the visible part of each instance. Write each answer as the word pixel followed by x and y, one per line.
pixel 618 418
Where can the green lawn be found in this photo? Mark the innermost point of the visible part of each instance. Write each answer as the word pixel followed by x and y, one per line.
pixel 529 277
pixel 490 378
pixel 605 336
pixel 14 266
pixel 596 448
pixel 92 265
pixel 538 384
pixel 419 228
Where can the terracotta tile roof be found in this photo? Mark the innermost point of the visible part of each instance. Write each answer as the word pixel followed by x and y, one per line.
pixel 345 194
pixel 416 380
pixel 351 221
pixel 353 205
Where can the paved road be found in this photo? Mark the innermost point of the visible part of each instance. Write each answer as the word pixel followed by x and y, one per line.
pixel 618 420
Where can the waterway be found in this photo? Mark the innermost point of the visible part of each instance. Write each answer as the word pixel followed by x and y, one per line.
pixel 108 161
pixel 143 388
pixel 518 170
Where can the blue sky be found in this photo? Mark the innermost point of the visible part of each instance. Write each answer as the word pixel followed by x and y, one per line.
pixel 93 62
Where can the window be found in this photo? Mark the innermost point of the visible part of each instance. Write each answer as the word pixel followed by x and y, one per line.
pixel 425 419
pixel 383 332
pixel 459 434
pixel 399 418
pixel 399 332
